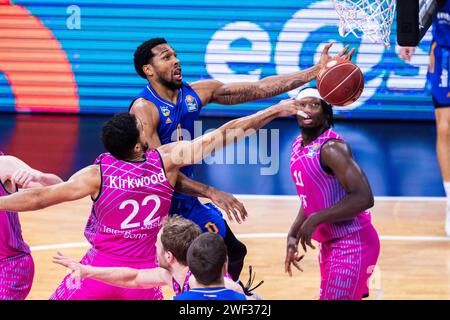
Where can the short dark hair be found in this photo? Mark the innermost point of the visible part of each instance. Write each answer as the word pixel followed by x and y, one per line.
pixel 144 54
pixel 206 257
pixel 120 134
pixel 177 236
pixel 328 111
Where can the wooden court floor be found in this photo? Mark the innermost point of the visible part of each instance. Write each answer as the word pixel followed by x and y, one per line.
pixel 414 261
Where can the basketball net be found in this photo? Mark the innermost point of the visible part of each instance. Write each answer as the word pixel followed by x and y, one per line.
pixel 372 18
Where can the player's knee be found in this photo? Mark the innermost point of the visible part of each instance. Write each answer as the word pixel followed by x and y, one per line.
pixel 443 129
pixel 242 249
pixel 237 250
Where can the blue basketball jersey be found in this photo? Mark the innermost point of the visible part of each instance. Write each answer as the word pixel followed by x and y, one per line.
pixel 176 122
pixel 438 83
pixel 441 26
pixel 216 293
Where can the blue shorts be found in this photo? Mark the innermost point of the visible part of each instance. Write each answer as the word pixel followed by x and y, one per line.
pixel 207 216
pixel 437 76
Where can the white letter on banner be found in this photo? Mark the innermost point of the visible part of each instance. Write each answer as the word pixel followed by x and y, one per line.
pixel 74 21
pixel 219 54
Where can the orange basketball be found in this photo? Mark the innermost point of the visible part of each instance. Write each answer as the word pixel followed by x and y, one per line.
pixel 340 83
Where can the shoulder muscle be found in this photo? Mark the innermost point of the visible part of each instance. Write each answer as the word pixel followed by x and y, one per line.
pixel 146 111
pixel 206 89
pixel 334 152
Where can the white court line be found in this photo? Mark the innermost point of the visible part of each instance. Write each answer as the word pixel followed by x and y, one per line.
pixel 293 197
pixel 283 235
pixel 414 238
pixel 383 238
pixel 60 246
pixel 412 199
pixel 247 236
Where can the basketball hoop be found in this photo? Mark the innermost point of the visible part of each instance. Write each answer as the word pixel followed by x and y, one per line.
pixel 372 18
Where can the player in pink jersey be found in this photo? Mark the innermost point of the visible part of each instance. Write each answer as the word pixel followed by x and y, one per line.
pixel 335 196
pixel 174 239
pixel 132 188
pixel 16 263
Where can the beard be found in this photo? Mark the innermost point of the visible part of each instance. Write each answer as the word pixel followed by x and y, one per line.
pixel 316 130
pixel 144 146
pixel 311 131
pixel 171 85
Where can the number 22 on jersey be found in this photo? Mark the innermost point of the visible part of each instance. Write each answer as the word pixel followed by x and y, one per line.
pixel 126 224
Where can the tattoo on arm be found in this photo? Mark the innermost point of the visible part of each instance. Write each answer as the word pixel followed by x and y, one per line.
pixel 191 187
pixel 268 87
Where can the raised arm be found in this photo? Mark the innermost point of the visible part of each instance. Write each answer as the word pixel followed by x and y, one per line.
pixel 21 175
pixel 183 153
pixel 85 182
pixel 149 116
pixel 240 92
pixel 116 276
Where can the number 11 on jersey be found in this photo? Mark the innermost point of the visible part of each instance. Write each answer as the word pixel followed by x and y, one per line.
pixel 298 178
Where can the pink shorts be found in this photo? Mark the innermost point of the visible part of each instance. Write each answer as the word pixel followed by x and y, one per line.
pixel 90 289
pixel 347 263
pixel 16 277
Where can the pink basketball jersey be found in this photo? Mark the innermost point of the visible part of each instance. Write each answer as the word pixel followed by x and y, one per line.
pixel 319 190
pixel 186 287
pixel 180 289
pixel 11 241
pixel 126 216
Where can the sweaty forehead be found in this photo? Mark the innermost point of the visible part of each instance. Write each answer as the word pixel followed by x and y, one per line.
pixel 161 48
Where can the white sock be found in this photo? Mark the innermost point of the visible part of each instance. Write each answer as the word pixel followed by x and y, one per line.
pixel 447 190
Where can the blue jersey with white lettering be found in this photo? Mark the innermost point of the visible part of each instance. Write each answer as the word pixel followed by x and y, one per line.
pixel 438 81
pixel 441 26
pixel 215 293
pixel 176 122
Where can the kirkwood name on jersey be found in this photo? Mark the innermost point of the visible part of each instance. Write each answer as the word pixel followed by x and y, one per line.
pixel 132 183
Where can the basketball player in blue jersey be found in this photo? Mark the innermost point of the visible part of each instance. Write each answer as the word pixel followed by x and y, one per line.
pixel 438 82
pixel 207 260
pixel 168 106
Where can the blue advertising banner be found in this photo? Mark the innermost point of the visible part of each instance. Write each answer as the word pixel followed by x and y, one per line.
pixel 77 56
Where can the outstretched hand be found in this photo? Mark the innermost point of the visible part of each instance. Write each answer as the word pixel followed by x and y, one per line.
pixel 343 55
pixel 228 203
pixel 25 178
pixel 287 107
pixel 75 267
